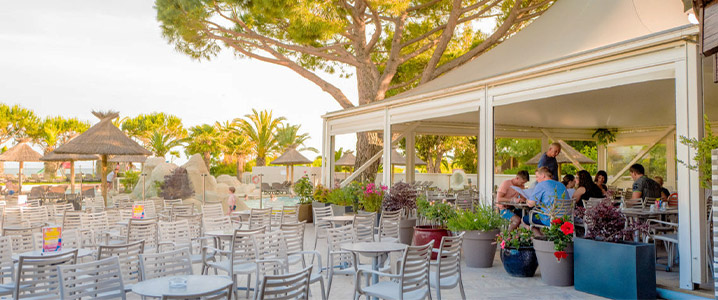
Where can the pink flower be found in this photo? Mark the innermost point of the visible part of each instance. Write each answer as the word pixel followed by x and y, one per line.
pixel 503 244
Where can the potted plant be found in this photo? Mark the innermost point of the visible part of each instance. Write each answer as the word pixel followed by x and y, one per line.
pixel 554 252
pixel 517 252
pixel 606 262
pixel 371 197
pixel 481 228
pixel 402 196
pixel 341 200
pixel 435 215
pixel 319 196
pixel 304 190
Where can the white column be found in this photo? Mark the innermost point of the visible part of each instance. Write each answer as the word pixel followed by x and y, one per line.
pixel 410 155
pixel 327 156
pixel 544 144
pixel 670 181
pixel 486 149
pixel 691 206
pixel 602 155
pixel 387 150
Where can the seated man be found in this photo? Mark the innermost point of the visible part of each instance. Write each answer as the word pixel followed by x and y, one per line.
pixel 546 191
pixel 642 185
pixel 505 195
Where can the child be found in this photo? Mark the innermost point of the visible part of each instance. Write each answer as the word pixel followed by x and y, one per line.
pixel 231 201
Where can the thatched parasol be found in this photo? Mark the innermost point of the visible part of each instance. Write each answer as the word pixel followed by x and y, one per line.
pixel 399 160
pixel 128 158
pixel 52 156
pixel 289 158
pixel 563 157
pixel 104 139
pixel 20 153
pixel 347 160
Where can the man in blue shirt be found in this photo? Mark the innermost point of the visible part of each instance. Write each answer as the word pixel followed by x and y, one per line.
pixel 546 191
pixel 548 160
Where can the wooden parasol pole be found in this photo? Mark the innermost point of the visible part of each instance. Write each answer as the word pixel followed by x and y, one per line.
pixel 72 177
pixel 103 172
pixel 19 179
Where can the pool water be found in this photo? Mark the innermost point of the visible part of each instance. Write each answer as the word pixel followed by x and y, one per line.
pixel 276 202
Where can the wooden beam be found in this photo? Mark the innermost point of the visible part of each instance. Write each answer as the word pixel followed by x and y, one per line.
pixel 573 160
pixel 376 156
pixel 641 154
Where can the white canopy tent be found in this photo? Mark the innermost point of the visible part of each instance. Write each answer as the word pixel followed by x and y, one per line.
pixel 631 65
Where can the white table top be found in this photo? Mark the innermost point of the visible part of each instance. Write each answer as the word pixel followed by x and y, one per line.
pixel 339 219
pixel 196 285
pixel 370 248
pixel 220 233
pixel 638 211
pixel 80 253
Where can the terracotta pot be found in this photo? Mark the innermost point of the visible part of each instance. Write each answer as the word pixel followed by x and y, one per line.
pixel 305 213
pixel 553 272
pixel 480 248
pixel 425 233
pixel 406 230
pixel 519 262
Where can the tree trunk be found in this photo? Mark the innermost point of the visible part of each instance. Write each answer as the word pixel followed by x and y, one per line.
pixel 206 157
pixel 368 144
pixel 51 170
pixel 240 167
pixel 261 161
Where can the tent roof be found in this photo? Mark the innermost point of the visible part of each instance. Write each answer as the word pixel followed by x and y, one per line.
pixel 20 152
pixel 562 158
pixel 103 138
pixel 400 160
pixel 291 157
pixel 128 158
pixel 52 156
pixel 348 159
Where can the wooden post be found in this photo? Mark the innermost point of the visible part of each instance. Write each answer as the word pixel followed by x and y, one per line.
pixel 19 179
pixel 104 177
pixel 72 177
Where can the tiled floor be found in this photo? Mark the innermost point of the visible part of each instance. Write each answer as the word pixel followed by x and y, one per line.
pixel 491 283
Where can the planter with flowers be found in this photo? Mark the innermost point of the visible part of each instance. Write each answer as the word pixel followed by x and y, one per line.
pixel 402 197
pixel 371 197
pixel 304 189
pixel 481 228
pixel 517 252
pixel 434 216
pixel 606 262
pixel 554 252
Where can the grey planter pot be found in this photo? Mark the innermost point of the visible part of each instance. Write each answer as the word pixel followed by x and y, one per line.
pixel 480 248
pixel 318 204
pixel 338 210
pixel 406 230
pixel 615 270
pixel 553 272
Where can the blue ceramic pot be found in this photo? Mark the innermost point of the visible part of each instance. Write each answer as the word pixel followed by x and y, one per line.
pixel 519 263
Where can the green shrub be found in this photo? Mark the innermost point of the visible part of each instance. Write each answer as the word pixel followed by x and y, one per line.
pixel 129 181
pixel 484 219
pixel 304 190
pixel 436 212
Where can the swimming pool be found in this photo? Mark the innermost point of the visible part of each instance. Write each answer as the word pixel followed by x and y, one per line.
pixel 276 202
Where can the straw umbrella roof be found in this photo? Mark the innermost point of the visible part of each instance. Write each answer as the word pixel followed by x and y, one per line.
pixel 52 156
pixel 400 160
pixel 21 152
pixel 562 158
pixel 128 158
pixel 103 138
pixel 347 160
pixel 291 157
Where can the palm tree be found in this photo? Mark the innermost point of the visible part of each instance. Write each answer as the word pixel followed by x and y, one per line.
pixel 288 136
pixel 203 139
pixel 236 147
pixel 260 128
pixel 161 143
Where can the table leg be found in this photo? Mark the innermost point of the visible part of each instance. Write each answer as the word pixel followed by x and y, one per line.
pixel 377 262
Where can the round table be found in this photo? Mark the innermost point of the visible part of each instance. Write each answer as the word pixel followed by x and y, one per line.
pixel 378 251
pixel 196 285
pixel 80 253
pixel 222 234
pixel 339 219
pixel 243 214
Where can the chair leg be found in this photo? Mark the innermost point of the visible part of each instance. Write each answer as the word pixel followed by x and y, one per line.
pixel 321 284
pixel 438 293
pixel 316 238
pixel 461 288
pixel 329 284
pixel 235 286
pixel 249 279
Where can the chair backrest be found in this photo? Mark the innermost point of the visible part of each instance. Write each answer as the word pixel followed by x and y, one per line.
pixel 150 208
pixel 169 202
pixel 243 249
pixel 270 246
pixel 559 208
pixel 22 239
pixel 335 238
pixel 122 201
pixel 293 236
pixel 62 208
pixel 7 266
pixel 287 286
pixel 33 202
pixel 223 293
pixel 143 230
pixel 100 279
pixel 415 268
pixel 216 223
pixel 389 224
pixel 171 263
pixel 181 209
pixel 449 257
pixel 37 275
pixel 591 202
pixel 212 210
pixel 96 221
pixel 320 214
pixel 364 227
pixel 195 224
pixel 290 214
pixel 633 203
pixel 129 257
pixel 464 200
pixel 34 216
pixel 648 201
pixel 260 218
pixel 177 232
pixel 276 215
pixel 12 216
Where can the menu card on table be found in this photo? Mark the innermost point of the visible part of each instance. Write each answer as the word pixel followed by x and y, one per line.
pixel 21 200
pixel 51 239
pixel 138 211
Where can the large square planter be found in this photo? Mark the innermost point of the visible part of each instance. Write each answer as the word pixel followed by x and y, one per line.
pixel 615 270
pixel 340 210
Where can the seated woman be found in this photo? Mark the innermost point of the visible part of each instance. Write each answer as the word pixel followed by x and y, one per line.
pixel 600 180
pixel 586 188
pixel 569 181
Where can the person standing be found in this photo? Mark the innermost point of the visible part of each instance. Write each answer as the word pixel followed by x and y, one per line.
pixel 548 160
pixel 111 177
pixel 642 185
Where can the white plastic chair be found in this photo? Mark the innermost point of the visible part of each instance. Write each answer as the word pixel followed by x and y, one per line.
pixel 294 238
pixel 7 267
pixel 447 267
pixel 412 281
pixel 165 264
pixel 143 230
pixel 287 286
pixel 389 226
pixel 37 275
pixel 239 260
pixel 100 279
pixel 129 258
pixel 212 210
pixel 363 227
pixel 320 223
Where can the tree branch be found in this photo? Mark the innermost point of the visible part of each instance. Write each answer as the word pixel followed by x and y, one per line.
pixel 377 28
pixel 405 83
pixel 422 6
pixel 443 40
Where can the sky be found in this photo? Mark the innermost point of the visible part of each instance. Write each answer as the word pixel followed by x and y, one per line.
pixel 71 57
